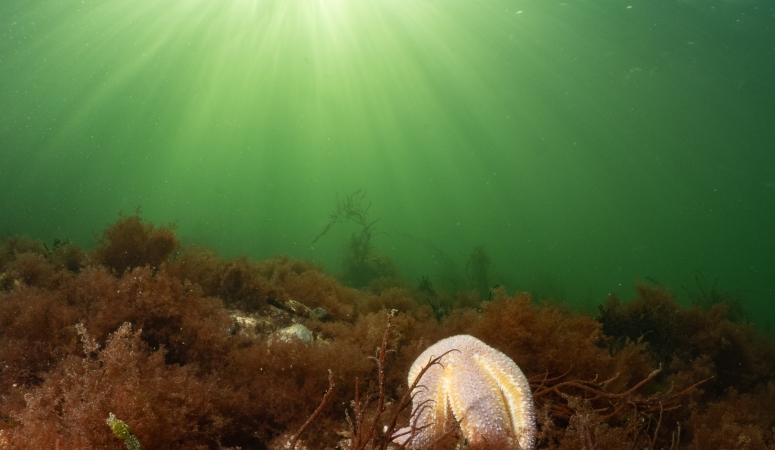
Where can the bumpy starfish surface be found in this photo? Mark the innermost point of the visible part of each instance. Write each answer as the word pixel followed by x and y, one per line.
pixel 478 386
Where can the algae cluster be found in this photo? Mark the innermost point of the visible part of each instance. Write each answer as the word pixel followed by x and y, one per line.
pixel 144 329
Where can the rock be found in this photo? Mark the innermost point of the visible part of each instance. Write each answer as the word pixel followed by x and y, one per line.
pixel 295 331
pixel 319 313
pixel 245 325
pixel 298 308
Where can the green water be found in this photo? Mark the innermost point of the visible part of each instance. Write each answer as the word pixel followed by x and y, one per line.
pixel 587 144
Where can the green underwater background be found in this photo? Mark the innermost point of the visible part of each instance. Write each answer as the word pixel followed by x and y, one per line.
pixel 214 212
pixel 586 145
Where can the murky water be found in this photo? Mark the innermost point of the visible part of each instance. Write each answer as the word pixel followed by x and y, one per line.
pixel 587 145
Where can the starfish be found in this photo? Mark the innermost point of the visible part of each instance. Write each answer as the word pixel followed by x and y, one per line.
pixel 475 385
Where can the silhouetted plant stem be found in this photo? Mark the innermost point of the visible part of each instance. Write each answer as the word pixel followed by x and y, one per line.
pixel 315 414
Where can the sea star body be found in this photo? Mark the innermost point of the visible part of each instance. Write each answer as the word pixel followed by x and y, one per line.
pixel 479 387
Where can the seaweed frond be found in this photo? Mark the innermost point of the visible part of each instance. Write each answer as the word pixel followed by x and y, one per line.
pixel 351 209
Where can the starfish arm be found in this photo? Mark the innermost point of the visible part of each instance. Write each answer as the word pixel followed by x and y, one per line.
pixel 481 388
pixel 515 391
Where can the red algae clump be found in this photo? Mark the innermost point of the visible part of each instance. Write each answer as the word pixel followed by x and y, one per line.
pixel 132 242
pixel 192 351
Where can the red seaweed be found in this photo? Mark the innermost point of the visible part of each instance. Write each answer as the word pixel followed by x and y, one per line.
pixel 166 344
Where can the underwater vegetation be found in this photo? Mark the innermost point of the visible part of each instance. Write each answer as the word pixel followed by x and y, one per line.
pixel 132 242
pixel 478 271
pixel 193 351
pixel 362 264
pixel 707 295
